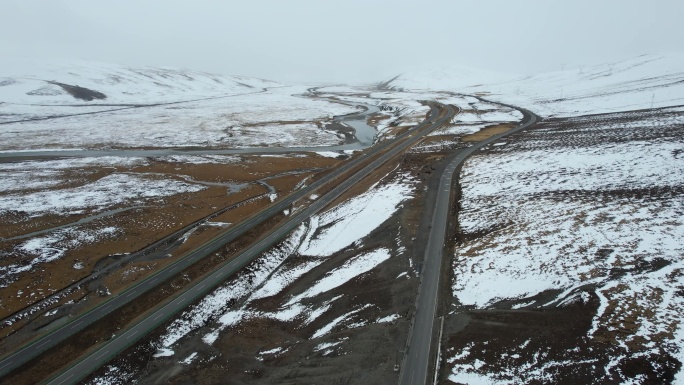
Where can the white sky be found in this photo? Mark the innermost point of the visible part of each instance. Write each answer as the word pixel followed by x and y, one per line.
pixel 341 41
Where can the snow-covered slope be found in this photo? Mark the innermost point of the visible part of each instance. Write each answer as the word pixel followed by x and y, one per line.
pixel 642 82
pixel 452 77
pixel 249 119
pixel 32 81
pixel 66 104
pixel 581 216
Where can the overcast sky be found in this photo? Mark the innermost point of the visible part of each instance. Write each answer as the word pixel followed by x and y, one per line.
pixel 341 41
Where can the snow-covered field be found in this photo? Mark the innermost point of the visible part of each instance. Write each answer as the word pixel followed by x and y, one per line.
pixel 30 191
pixel 45 249
pixel 475 115
pixel 365 213
pixel 26 81
pixel 105 192
pixel 642 82
pixel 153 107
pixel 591 207
pixel 340 227
pixel 272 118
pixel 36 188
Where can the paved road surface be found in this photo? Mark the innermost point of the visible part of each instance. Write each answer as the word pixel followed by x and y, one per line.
pixel 94 360
pixel 27 352
pixel 416 361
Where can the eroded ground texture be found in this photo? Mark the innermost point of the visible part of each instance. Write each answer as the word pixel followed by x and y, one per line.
pixel 570 266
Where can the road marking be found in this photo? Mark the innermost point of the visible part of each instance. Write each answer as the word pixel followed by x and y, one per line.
pixel 102 354
pixel 157 317
pixel 132 334
pixel 78 323
pixel 45 342
pixel 66 379
pixel 5 364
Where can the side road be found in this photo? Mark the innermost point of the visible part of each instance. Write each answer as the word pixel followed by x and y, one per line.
pixel 416 361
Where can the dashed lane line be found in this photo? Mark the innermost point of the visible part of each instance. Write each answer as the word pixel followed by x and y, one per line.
pixel 65 380
pixel 101 354
pixel 43 343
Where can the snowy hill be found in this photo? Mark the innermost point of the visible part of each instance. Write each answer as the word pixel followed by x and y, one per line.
pixel 642 82
pixel 66 105
pixel 31 81
pixel 452 77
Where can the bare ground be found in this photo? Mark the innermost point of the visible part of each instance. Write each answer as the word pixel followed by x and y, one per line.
pixel 139 228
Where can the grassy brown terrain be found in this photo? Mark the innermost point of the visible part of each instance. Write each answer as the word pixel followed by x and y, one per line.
pixel 487 133
pixel 138 228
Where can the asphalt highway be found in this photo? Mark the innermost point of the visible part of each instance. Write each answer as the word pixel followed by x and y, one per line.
pixel 92 361
pixel 416 362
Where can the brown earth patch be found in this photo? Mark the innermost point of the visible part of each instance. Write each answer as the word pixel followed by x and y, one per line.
pixel 395 131
pixel 487 133
pixel 470 111
pixel 87 340
pixel 139 227
pixel 503 341
pixel 428 140
pixel 285 184
pixel 251 168
pixel 438 144
pixel 491 333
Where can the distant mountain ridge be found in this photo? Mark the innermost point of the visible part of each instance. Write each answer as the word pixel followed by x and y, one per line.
pixel 53 82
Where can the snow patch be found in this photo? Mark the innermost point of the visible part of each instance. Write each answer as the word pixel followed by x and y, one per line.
pixel 354 219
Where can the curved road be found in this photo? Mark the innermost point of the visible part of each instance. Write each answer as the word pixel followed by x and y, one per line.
pixel 91 362
pixel 416 361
